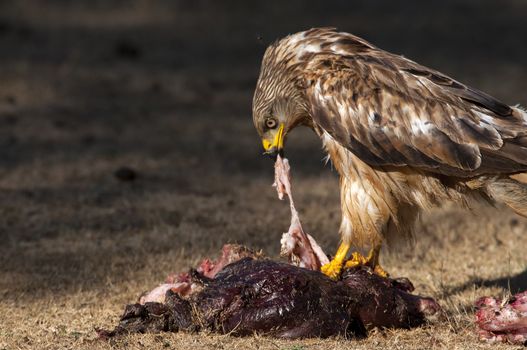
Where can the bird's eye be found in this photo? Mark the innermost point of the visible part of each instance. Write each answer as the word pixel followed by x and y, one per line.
pixel 271 123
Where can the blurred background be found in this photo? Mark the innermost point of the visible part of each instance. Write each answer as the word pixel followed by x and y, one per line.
pixel 127 148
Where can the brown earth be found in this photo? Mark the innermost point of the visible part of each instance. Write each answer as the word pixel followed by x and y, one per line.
pixel 164 88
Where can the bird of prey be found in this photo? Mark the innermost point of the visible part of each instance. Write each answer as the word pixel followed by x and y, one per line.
pixel 403 137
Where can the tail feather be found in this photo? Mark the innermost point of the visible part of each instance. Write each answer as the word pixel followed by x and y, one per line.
pixel 511 192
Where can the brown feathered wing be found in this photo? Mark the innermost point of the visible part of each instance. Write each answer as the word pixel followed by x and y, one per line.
pixel 390 111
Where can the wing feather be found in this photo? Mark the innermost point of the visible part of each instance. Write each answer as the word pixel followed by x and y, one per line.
pixel 392 111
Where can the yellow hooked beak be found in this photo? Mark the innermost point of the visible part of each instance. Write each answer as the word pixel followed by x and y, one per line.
pixel 276 146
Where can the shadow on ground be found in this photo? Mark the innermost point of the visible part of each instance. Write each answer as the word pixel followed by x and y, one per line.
pixel 515 283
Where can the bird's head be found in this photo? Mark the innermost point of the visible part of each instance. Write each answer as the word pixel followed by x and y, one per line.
pixel 279 102
pixel 276 121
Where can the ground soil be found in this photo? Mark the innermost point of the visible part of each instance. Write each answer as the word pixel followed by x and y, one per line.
pixel 127 151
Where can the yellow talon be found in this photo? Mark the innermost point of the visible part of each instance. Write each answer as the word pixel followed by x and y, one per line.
pixel 334 267
pixel 357 259
pixel 379 271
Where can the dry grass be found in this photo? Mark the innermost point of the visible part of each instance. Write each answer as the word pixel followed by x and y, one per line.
pixel 90 87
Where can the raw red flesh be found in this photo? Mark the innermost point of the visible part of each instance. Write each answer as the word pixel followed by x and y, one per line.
pixel 298 246
pixel 183 285
pixel 503 320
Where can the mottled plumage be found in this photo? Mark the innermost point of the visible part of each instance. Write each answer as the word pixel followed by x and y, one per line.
pixel 403 137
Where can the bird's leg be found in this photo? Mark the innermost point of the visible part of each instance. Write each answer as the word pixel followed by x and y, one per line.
pixel 334 267
pixel 372 260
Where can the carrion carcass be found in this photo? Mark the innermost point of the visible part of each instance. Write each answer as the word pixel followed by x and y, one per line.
pixel 258 295
pixel 244 293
